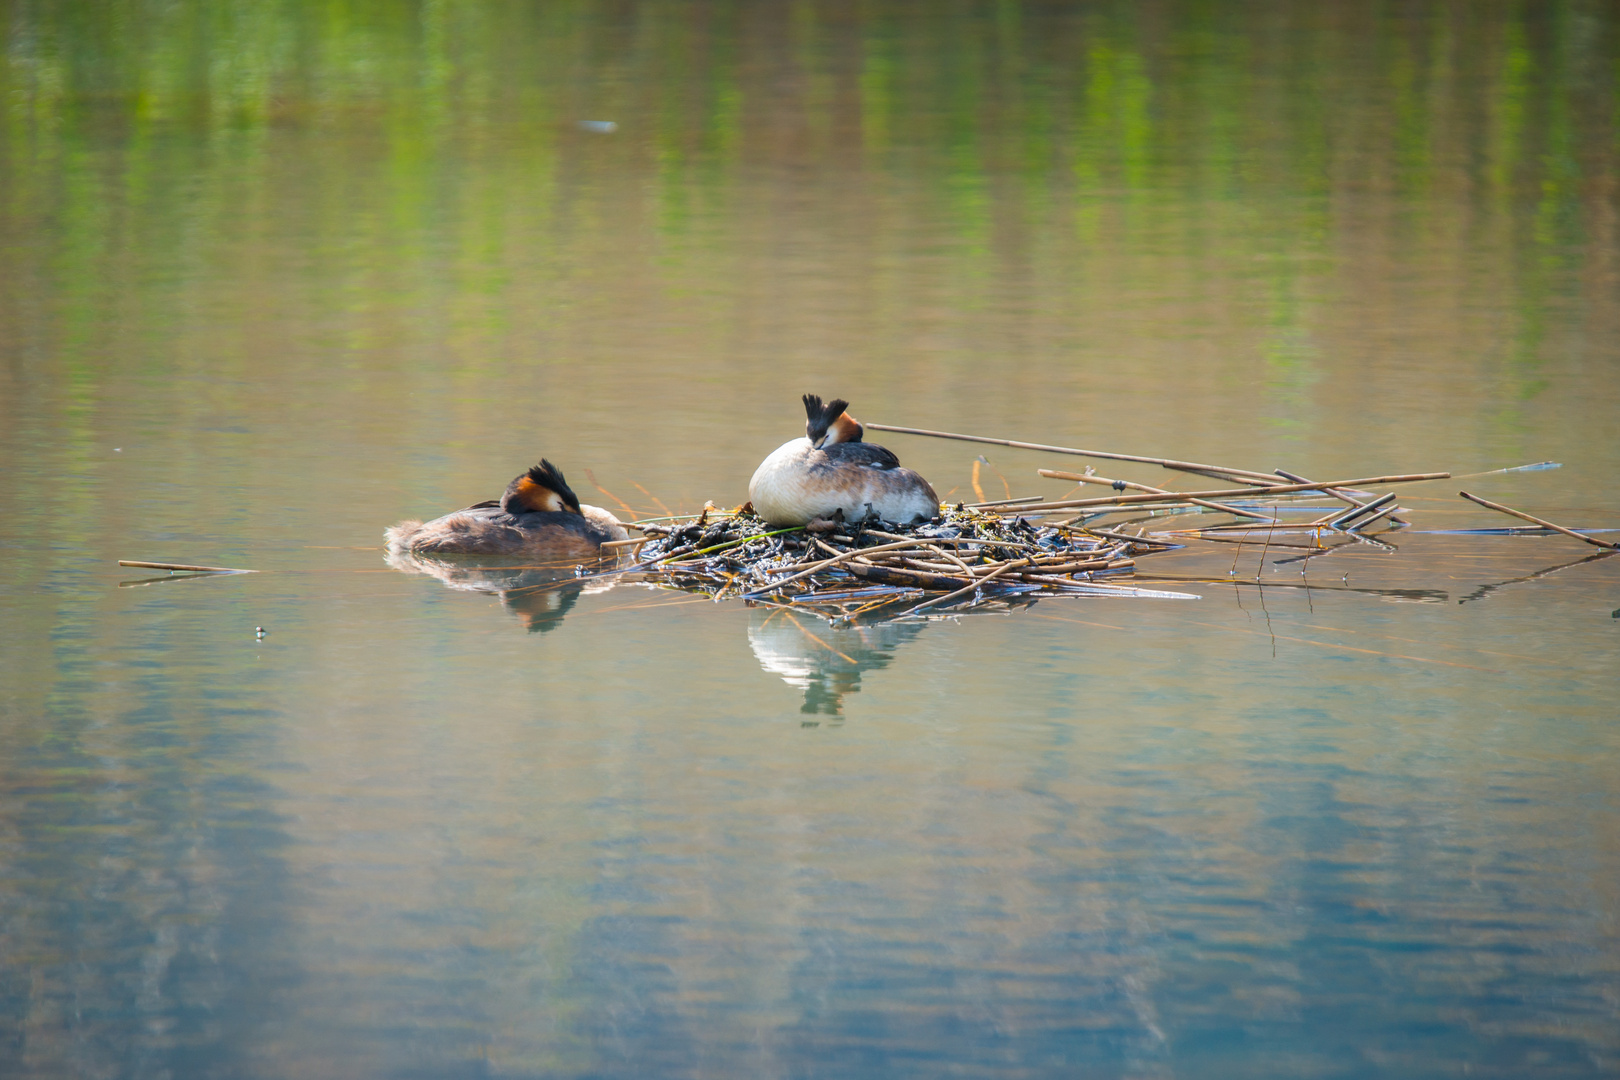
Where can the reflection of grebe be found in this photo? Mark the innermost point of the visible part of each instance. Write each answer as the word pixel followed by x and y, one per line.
pixel 540 595
pixel 827 664
pixel 538 516
pixel 831 470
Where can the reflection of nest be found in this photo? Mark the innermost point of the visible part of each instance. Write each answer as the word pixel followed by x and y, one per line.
pixel 539 595
pixel 826 663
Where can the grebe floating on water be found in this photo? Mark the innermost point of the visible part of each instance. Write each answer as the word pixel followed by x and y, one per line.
pixel 538 516
pixel 831 470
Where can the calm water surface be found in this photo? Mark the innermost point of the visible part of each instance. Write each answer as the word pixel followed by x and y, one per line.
pixel 273 276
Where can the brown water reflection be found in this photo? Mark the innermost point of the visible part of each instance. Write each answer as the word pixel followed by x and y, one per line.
pixel 276 275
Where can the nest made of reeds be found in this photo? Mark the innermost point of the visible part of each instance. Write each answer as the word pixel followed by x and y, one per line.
pixel 967 558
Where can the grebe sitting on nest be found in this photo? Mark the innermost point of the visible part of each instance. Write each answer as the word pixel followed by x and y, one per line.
pixel 832 470
pixel 539 516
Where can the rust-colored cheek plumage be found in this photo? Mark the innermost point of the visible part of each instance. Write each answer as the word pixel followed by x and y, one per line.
pixel 845 429
pixel 526 496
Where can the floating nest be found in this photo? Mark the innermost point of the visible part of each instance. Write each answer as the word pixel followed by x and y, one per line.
pixel 988 555
pixel 966 558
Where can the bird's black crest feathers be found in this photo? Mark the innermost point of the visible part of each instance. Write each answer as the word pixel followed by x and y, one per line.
pixel 820 417
pixel 548 475
pixel 545 475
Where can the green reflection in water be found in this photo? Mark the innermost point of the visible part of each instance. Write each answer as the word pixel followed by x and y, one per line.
pixel 1153 107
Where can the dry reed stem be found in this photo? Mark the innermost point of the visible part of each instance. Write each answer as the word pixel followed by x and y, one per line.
pixel 1083 479
pixel 895 575
pixel 1239 526
pixel 1168 463
pixel 1053 579
pixel 626 507
pixel 919 540
pixel 1004 502
pixel 843 557
pixel 1128 538
pixel 185 566
pixel 1231 540
pixel 950 557
pixel 1229 493
pixel 657 502
pixel 1263 552
pixel 1547 524
pixel 1388 511
pixel 1343 519
pixel 1071 567
pixel 979 584
pixel 1343 496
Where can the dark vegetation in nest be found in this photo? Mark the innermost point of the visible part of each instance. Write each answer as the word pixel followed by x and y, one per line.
pixel 842 571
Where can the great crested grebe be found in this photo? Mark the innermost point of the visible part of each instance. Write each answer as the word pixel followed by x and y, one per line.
pixel 831 470
pixel 538 516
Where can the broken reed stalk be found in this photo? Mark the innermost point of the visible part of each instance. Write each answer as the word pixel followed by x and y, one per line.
pixel 185 566
pixel 1261 568
pixel 952 540
pixel 1054 579
pixel 835 559
pixel 1168 463
pixel 969 587
pixel 1081 478
pixel 1343 520
pixel 1106 561
pixel 1546 524
pixel 1244 526
pixel 1388 511
pixel 951 557
pixel 1274 543
pixel 1231 493
pixel 1342 496
pixel 1004 502
pixel 1128 538
pixel 905 576
pixel 1337 494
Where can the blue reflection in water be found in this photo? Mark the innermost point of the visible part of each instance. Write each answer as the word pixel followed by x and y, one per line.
pixel 189 896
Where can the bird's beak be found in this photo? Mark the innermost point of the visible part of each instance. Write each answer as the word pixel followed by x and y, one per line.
pixel 815 444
